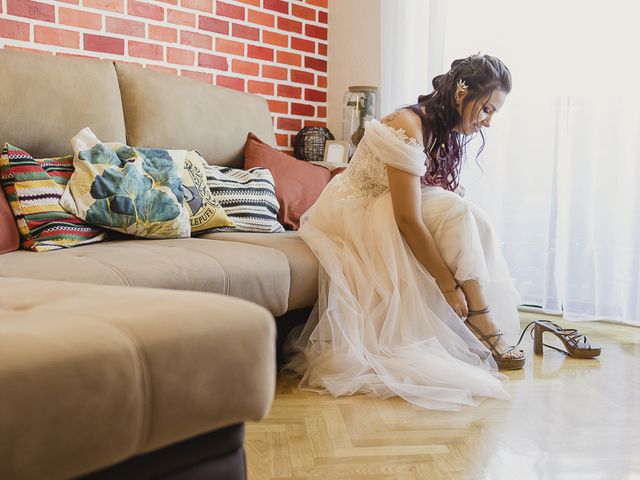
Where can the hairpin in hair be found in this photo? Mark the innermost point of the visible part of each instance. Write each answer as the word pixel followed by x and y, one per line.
pixel 461 88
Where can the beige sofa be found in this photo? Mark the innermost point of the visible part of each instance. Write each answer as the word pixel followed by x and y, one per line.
pixel 153 381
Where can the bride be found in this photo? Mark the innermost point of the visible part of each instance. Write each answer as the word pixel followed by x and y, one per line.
pixel 413 289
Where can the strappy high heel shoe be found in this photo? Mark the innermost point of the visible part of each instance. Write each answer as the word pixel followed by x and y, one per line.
pixel 506 359
pixel 577 345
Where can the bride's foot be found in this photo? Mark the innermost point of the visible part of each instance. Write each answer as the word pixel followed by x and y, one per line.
pixel 506 356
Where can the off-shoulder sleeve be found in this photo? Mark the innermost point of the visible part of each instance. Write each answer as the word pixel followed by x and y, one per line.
pixel 391 147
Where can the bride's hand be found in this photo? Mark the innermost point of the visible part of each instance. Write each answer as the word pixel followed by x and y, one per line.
pixel 457 301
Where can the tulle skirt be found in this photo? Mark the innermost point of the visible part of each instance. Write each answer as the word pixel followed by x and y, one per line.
pixel 381 326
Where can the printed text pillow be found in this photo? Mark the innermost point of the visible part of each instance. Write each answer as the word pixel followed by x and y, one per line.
pixel 205 211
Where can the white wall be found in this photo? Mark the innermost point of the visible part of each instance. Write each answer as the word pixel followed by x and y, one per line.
pixel 354 52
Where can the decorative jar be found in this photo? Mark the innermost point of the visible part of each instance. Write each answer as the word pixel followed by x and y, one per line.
pixel 360 104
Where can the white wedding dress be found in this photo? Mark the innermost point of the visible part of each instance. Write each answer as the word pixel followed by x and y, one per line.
pixel 381 326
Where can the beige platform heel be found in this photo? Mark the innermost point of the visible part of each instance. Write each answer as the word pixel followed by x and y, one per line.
pixel 576 343
pixel 506 359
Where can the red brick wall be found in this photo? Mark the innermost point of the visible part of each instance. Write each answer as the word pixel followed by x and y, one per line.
pixel 275 48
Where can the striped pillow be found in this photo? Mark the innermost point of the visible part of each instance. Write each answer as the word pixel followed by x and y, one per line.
pixel 248 197
pixel 58 168
pixel 33 189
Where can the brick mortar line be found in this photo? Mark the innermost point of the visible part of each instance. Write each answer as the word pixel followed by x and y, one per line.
pixel 259 62
pixel 259 77
pixel 197 12
pixel 44 47
pixel 179 8
pixel 276 82
pixel 252 7
pixel 302 4
pixel 289 100
pixel 215 36
pixel 287 83
pixel 304 21
pixel 287 147
pixel 244 23
pixel 257 44
pixel 292 117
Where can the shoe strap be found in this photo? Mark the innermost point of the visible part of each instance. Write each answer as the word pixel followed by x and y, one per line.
pixel 487 338
pixel 572 335
pixel 524 330
pixel 473 313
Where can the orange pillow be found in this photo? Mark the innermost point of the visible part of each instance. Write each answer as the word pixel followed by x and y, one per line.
pixel 9 235
pixel 298 183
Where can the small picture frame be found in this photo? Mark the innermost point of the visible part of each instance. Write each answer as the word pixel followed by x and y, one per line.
pixel 336 152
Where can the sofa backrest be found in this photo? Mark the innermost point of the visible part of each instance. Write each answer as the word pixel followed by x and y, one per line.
pixel 46 100
pixel 167 111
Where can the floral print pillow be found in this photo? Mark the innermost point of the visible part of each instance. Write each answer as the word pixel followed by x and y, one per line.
pixel 137 191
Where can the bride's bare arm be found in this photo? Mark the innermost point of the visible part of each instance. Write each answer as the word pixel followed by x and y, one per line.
pixel 407 204
pixel 406 197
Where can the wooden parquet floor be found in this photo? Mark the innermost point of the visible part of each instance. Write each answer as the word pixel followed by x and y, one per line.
pixel 567 419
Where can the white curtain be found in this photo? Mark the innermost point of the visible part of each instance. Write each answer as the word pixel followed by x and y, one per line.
pixel 404 40
pixel 562 158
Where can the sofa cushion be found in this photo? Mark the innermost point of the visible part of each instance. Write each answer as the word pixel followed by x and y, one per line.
pixel 33 195
pixel 298 183
pixel 93 374
pixel 246 271
pixel 303 265
pixel 166 111
pixel 59 169
pixel 9 235
pixel 248 197
pixel 137 191
pixel 46 100
pixel 205 211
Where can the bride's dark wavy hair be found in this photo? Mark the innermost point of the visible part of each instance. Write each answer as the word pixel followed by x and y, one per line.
pixel 482 74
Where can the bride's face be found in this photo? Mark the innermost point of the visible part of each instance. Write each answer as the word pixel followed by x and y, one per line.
pixel 478 113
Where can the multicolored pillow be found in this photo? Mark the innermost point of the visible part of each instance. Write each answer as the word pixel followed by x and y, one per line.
pixel 248 197
pixel 9 234
pixel 58 168
pixel 206 211
pixel 33 195
pixel 137 191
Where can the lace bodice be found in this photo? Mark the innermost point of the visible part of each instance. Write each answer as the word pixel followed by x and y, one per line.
pixel 366 173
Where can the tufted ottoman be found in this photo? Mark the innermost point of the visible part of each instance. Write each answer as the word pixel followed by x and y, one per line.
pixel 131 382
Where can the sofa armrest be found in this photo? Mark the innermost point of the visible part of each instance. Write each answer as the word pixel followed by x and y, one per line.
pixel 91 375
